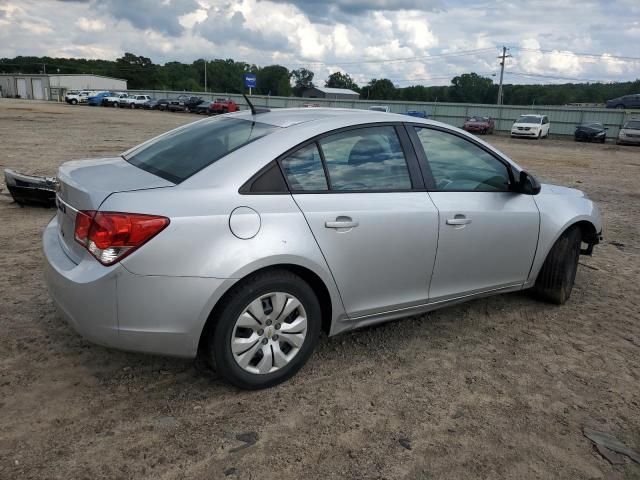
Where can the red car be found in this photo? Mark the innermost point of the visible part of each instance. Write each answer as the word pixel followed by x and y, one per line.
pixel 479 124
pixel 223 105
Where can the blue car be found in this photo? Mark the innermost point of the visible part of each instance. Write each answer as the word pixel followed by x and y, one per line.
pixel 418 113
pixel 96 100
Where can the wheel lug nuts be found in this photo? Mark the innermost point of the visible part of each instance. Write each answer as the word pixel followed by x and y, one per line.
pixel 260 332
pixel 277 326
pixel 264 341
pixel 274 338
pixel 268 322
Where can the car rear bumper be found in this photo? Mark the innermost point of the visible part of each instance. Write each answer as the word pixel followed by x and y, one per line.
pixel 115 308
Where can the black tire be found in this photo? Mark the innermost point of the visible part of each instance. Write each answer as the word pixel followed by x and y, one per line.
pixel 620 106
pixel 115 104
pixel 539 135
pixel 74 102
pixel 161 108
pixel 132 106
pixel 558 273
pixel 218 346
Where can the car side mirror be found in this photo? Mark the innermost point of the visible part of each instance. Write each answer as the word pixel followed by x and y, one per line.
pixel 528 184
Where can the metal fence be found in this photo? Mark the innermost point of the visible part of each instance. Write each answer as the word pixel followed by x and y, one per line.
pixel 563 119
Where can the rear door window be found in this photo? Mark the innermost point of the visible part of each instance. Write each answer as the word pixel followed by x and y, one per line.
pixel 181 153
pixel 369 159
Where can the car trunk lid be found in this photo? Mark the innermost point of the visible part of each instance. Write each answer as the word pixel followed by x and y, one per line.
pixel 85 184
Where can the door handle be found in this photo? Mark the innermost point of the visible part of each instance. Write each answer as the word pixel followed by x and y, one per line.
pixel 458 220
pixel 341 222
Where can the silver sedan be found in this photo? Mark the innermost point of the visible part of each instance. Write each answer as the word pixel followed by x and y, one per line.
pixel 244 236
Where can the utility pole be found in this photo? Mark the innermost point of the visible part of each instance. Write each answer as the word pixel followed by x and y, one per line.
pixel 502 58
pixel 205 74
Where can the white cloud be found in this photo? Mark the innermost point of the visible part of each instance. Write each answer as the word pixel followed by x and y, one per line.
pixel 87 25
pixel 331 35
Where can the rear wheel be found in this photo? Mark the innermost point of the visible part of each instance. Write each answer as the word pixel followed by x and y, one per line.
pixel 558 273
pixel 265 330
pixel 620 106
pixel 74 102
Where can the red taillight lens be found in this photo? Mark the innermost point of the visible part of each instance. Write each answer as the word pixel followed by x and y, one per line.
pixel 111 236
pixel 83 222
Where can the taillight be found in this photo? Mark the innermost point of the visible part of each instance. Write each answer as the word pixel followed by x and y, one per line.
pixel 111 236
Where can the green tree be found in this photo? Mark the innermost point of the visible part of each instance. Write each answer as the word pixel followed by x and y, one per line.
pixel 302 79
pixel 274 80
pixel 473 88
pixel 382 89
pixel 341 80
pixel 140 72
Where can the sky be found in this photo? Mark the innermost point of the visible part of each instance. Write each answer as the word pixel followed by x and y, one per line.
pixel 408 41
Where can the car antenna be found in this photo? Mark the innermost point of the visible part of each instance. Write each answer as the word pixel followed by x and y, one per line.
pixel 255 110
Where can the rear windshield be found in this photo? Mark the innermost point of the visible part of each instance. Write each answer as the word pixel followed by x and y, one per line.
pixel 478 119
pixel 181 153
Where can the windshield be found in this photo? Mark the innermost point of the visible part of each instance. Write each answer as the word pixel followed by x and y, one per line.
pixel 478 119
pixel 529 119
pixel 591 125
pixel 632 125
pixel 181 153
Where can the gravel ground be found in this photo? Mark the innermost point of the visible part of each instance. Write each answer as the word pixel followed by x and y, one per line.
pixel 496 388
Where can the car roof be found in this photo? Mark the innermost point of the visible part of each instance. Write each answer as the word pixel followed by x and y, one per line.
pixel 286 117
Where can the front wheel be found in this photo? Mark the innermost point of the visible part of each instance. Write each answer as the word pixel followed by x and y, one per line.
pixel 265 330
pixel 558 273
pixel 115 105
pixel 74 102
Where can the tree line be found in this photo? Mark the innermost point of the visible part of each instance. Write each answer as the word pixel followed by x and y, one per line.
pixel 226 76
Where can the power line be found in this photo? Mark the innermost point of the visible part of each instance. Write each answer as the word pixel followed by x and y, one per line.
pixel 399 60
pixel 538 75
pixel 577 54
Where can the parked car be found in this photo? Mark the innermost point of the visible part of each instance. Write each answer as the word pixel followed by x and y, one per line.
pixel 589 132
pixel 246 235
pixel 134 101
pixel 418 113
pixel 223 105
pixel 114 99
pixel 379 108
pixel 627 101
pixel 630 132
pixel 74 97
pixel 532 126
pixel 156 104
pixel 479 124
pixel 184 103
pixel 202 108
pixel 96 100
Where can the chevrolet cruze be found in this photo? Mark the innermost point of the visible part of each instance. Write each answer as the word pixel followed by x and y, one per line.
pixel 245 235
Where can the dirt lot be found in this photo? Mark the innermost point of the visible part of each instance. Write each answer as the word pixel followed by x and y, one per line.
pixel 497 388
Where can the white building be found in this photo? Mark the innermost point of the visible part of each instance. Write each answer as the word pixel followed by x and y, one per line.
pixel 35 86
